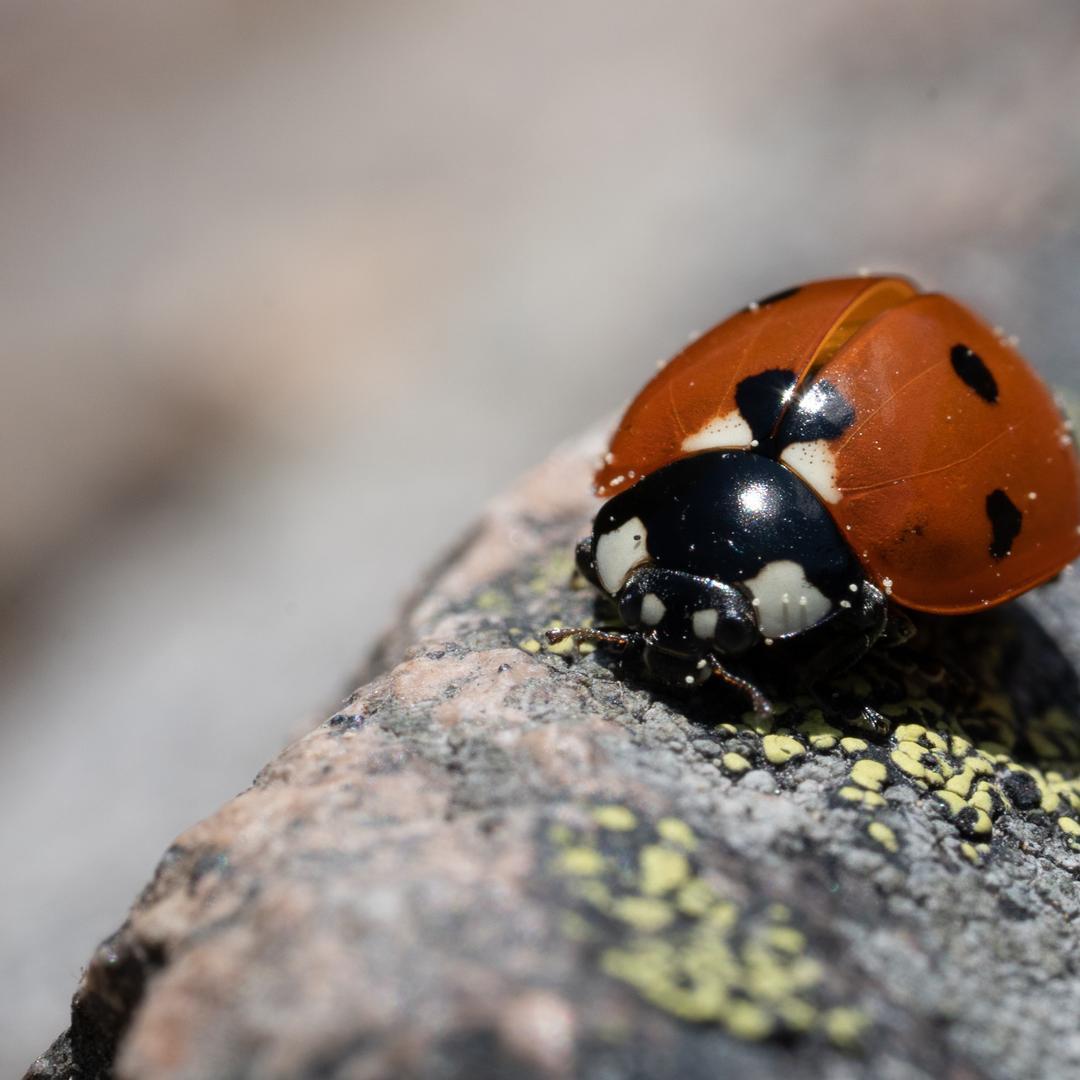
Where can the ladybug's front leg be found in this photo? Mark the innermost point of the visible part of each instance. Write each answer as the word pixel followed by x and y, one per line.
pixel 898 630
pixel 761 705
pixel 843 640
pixel 585 560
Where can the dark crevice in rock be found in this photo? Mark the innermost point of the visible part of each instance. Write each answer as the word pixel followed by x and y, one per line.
pixel 103 1006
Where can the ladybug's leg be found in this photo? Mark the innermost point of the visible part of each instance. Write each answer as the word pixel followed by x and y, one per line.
pixel 599 637
pixel 847 636
pixel 761 704
pixel 899 629
pixel 585 560
pixel 845 639
pixel 869 612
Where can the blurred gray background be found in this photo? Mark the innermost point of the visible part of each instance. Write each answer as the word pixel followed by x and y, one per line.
pixel 287 291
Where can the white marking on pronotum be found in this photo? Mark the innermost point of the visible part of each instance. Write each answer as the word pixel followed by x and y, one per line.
pixel 814 462
pixel 773 588
pixel 704 623
pixel 620 551
pixel 652 609
pixel 730 430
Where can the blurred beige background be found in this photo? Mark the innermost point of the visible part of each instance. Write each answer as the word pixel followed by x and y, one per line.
pixel 287 291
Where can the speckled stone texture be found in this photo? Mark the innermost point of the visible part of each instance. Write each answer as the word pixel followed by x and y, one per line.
pixel 501 859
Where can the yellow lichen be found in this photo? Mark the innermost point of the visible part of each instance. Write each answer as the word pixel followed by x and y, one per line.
pixel 560 834
pixel 909 733
pixel 960 784
pixel 662 870
pixel 684 948
pixel 644 913
pixel 780 749
pixel 908 764
pixel 492 600
pixel 786 938
pixel 695 898
pixel 581 860
pixel 954 803
pixel 746 1021
pixel 911 748
pixel 861 795
pixel 883 835
pixel 677 832
pixel 820 734
pixel 617 818
pixel 722 915
pixel 799 1015
pixel 845 1027
pixel 869 774
pixel 734 763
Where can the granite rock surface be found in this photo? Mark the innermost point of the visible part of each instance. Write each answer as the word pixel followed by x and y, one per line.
pixel 505 859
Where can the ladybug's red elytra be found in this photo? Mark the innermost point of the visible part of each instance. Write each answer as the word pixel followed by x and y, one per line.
pixel 812 466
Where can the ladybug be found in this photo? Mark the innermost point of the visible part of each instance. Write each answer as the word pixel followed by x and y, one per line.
pixel 826 459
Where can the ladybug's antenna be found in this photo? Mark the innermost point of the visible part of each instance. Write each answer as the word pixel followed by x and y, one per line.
pixel 582 633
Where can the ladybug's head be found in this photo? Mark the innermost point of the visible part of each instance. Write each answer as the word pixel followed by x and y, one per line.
pixel 683 623
pixel 685 616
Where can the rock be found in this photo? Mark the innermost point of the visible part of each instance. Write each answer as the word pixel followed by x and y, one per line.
pixel 500 859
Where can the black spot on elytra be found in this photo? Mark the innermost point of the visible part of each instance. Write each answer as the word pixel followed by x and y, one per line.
pixel 971 368
pixel 776 297
pixel 819 412
pixel 778 417
pixel 761 399
pixel 1005 521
